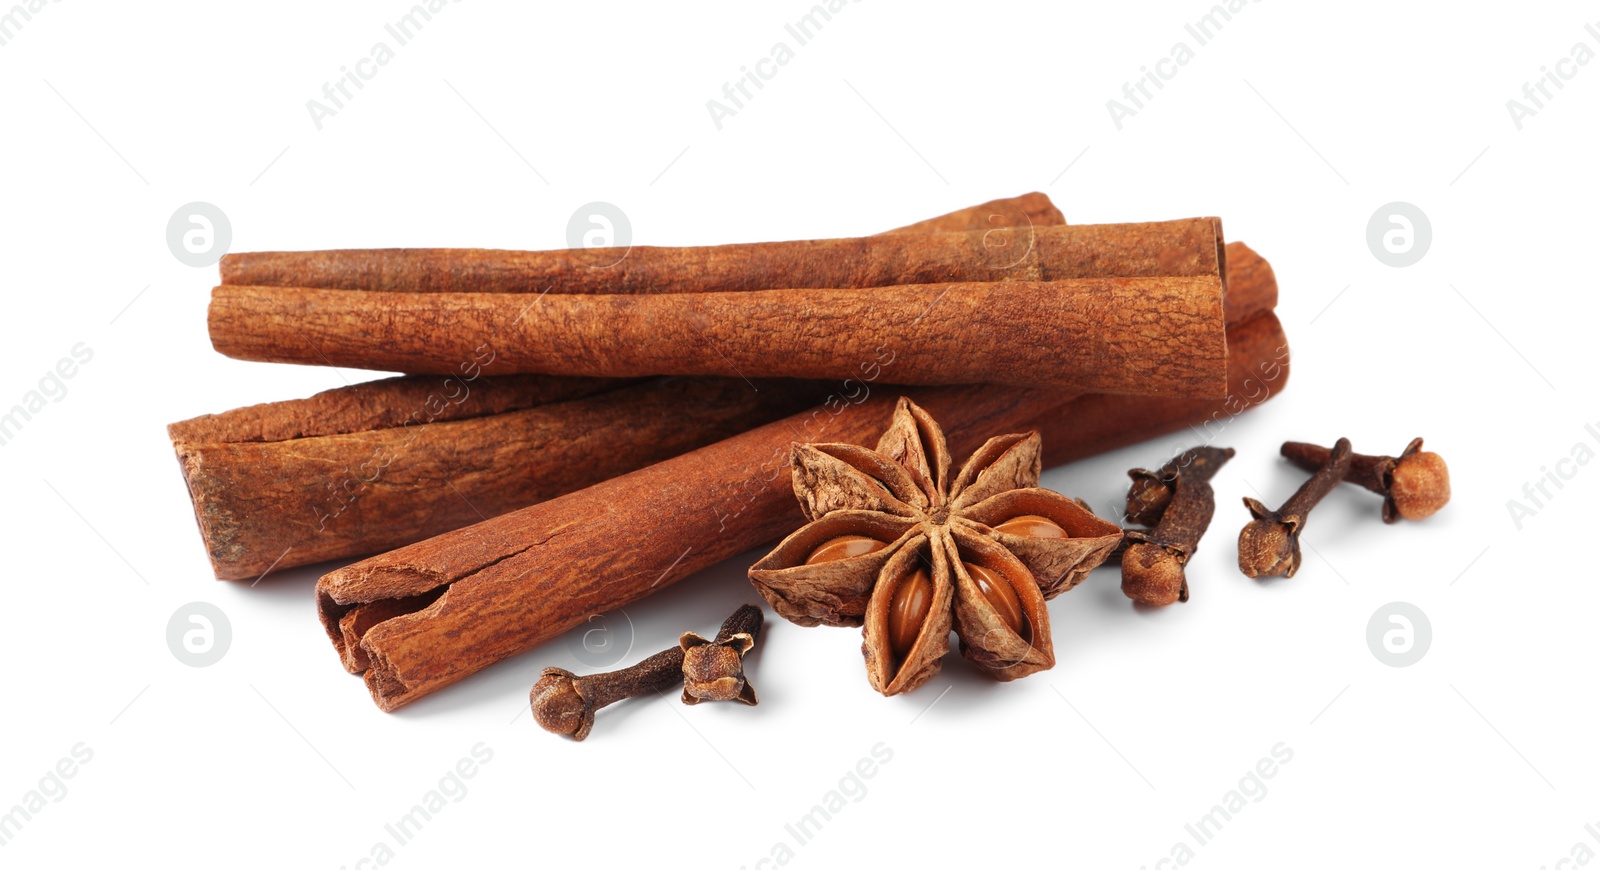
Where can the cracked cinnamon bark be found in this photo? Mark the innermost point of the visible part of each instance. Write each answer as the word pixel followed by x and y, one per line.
pixel 365 468
pixel 507 585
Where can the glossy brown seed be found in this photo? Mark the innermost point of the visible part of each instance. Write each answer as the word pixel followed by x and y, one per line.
pixel 908 610
pixel 1032 526
pixel 844 547
pixel 1000 594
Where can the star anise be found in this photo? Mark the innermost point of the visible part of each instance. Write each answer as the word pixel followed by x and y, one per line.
pixel 897 546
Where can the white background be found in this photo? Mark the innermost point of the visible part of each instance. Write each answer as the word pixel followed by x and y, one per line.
pixel 1295 124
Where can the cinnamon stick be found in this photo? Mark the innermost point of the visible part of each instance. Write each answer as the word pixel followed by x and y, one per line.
pixel 522 578
pixel 387 403
pixel 1157 336
pixel 296 484
pixel 260 502
pixel 479 595
pixel 1258 369
pixel 1252 285
pixel 1029 209
pixel 1031 252
pixel 272 491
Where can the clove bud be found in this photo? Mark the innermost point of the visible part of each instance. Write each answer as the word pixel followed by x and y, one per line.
pixel 1152 491
pixel 1153 562
pixel 1270 544
pixel 565 703
pixel 1414 485
pixel 713 670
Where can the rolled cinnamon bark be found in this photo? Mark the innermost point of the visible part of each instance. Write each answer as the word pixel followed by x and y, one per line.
pixel 384 404
pixel 271 490
pixel 1252 285
pixel 1146 335
pixel 1029 209
pixel 520 579
pixel 1258 369
pixel 277 502
pixel 1030 252
pixel 419 618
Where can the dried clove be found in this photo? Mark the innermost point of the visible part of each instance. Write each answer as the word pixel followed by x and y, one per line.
pixel 1270 544
pixel 1414 485
pixel 1153 563
pixel 1151 491
pixel 565 703
pixel 713 670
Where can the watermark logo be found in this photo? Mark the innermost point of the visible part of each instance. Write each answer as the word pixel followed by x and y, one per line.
pixel 13 19
pixel 199 634
pixel 1537 93
pixel 338 93
pixel 737 93
pixel 600 225
pixel 1581 854
pixel 1138 93
pixel 51 789
pixel 850 789
pixel 198 234
pixel 1250 789
pixel 603 641
pixel 52 388
pixel 1536 493
pixel 450 789
pixel 1399 234
pixel 1399 634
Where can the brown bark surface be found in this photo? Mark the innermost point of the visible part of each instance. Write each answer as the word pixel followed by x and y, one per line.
pixel 526 577
pixel 1032 252
pixel 1156 336
pixel 520 579
pixel 1029 209
pixel 1252 285
pixel 408 400
pixel 1258 369
pixel 277 504
pixel 263 479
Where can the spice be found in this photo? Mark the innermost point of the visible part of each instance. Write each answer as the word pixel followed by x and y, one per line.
pixel 481 594
pixel 1031 252
pixel 1027 210
pixel 1151 491
pixel 1270 544
pixel 1093 334
pixel 1153 565
pixel 501 587
pixel 946 561
pixel 1258 369
pixel 283 485
pixel 277 485
pixel 1414 485
pixel 565 703
pixel 778 309
pixel 713 670
pixel 1252 285
pixel 365 468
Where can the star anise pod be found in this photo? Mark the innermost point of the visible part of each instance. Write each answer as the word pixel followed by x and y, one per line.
pixel 897 546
